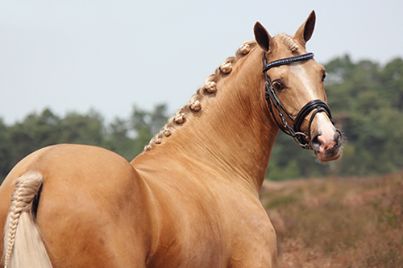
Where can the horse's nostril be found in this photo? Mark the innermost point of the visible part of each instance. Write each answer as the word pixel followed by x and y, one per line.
pixel 316 141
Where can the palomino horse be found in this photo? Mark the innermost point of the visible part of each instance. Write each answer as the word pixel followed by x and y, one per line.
pixel 191 198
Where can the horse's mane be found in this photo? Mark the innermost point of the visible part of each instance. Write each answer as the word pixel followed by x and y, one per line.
pixel 210 88
pixel 288 41
pixel 195 103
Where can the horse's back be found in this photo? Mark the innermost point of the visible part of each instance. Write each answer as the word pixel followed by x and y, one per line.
pixel 91 208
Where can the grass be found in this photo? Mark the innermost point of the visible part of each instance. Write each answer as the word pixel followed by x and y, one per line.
pixel 353 222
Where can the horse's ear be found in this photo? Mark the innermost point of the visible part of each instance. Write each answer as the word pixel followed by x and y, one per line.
pixel 262 36
pixel 304 32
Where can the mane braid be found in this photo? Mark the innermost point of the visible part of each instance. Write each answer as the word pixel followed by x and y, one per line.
pixel 288 41
pixel 195 103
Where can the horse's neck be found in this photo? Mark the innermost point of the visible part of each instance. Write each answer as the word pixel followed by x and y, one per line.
pixel 231 135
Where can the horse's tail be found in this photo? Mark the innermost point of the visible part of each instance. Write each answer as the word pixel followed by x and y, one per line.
pixel 23 246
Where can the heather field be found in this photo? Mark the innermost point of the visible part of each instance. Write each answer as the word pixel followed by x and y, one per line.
pixel 338 222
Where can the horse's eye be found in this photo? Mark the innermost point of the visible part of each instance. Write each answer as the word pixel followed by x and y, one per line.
pixel 323 76
pixel 277 85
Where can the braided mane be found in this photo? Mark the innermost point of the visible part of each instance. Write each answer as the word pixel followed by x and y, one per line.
pixel 195 103
pixel 288 41
pixel 210 88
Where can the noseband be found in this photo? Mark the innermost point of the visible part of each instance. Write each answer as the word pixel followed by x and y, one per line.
pixel 317 106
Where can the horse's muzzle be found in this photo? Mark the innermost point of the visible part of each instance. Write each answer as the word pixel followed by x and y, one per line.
pixel 327 148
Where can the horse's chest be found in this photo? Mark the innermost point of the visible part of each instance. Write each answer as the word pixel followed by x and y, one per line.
pixel 191 253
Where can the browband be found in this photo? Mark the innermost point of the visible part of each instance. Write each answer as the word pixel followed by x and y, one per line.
pixel 287 61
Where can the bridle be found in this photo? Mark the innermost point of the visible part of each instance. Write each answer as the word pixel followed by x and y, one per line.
pixel 317 106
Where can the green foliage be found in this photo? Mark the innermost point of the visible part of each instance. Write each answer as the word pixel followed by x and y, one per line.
pixel 5 150
pixel 366 101
pixel 371 118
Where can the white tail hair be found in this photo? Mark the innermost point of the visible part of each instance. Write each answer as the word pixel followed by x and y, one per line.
pixel 23 246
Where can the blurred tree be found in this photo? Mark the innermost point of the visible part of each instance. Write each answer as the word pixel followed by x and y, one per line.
pixel 392 83
pixel 5 150
pixel 34 132
pixel 119 138
pixel 146 124
pixel 83 129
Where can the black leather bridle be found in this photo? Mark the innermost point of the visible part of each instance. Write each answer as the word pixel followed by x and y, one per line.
pixel 317 106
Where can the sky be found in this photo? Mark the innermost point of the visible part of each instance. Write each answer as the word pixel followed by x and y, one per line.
pixel 77 55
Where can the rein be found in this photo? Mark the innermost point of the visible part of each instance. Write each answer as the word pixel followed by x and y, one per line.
pixel 317 106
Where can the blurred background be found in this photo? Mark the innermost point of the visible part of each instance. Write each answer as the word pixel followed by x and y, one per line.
pixel 110 73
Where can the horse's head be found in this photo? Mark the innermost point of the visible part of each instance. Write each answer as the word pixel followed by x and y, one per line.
pixel 295 90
